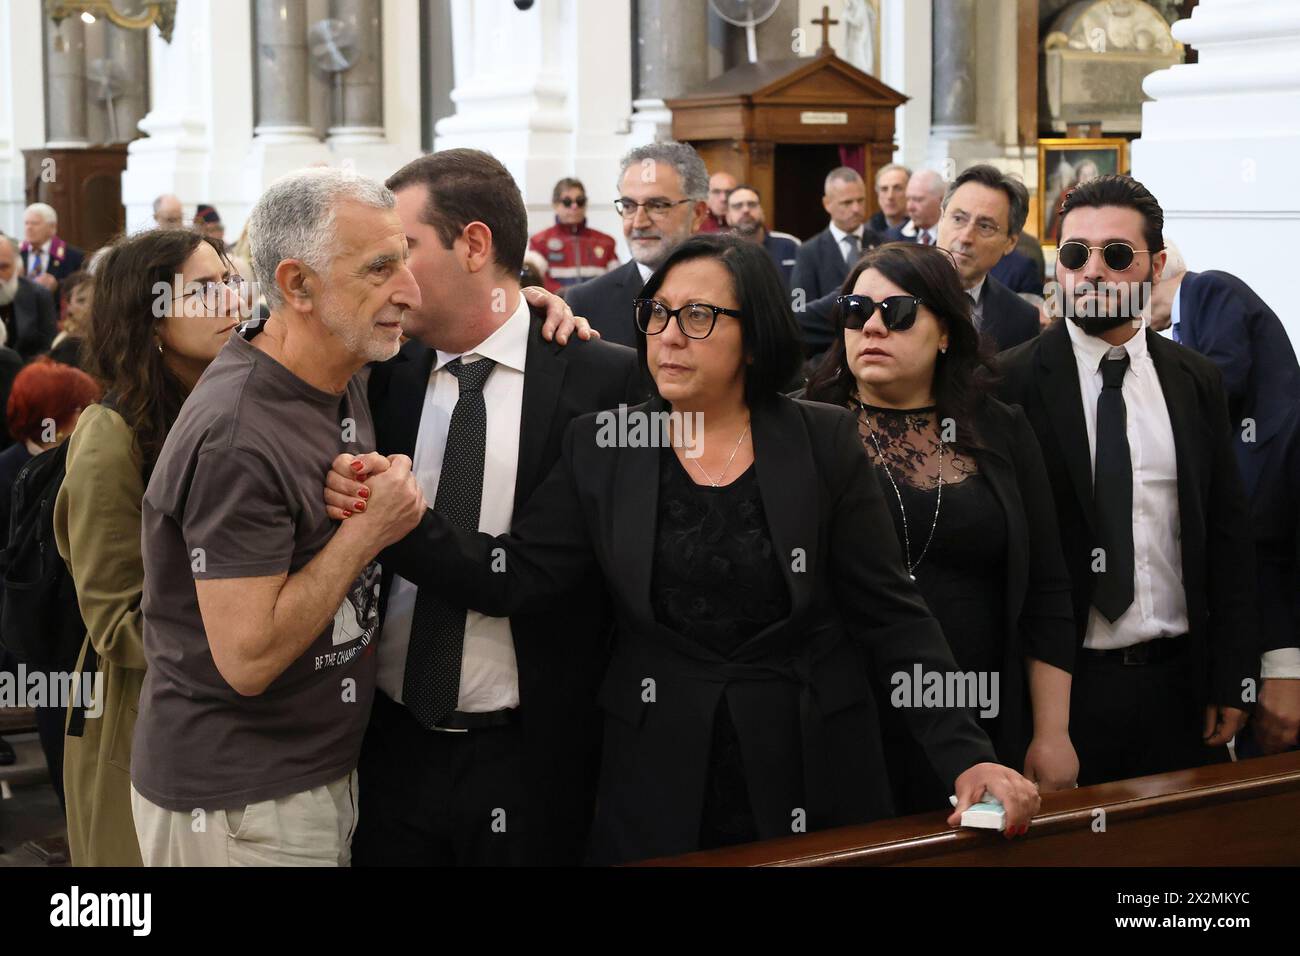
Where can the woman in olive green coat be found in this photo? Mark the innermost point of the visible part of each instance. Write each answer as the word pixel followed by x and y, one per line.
pixel 147 366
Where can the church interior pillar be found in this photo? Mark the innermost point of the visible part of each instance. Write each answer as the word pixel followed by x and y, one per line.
pixel 672 56
pixel 283 115
pixel 1218 141
pixel 360 104
pixel 65 91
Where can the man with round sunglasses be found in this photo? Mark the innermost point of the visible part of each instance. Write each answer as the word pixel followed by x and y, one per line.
pixel 574 252
pixel 1135 434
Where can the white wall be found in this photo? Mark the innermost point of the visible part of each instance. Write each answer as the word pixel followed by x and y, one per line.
pixel 22 109
pixel 1219 142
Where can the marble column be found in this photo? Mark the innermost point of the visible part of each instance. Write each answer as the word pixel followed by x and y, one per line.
pixel 953 104
pixel 22 106
pixel 283 114
pixel 65 72
pixel 124 55
pixel 672 55
pixel 359 105
pixel 773 38
pixel 1219 141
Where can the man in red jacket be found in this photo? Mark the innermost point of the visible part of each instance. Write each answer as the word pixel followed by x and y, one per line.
pixel 573 252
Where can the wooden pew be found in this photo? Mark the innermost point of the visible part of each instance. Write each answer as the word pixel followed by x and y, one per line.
pixel 1232 814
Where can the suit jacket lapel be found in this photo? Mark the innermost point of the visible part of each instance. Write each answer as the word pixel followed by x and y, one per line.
pixel 784 464
pixel 1180 400
pixel 1059 382
pixel 544 368
pixel 405 401
pixel 635 511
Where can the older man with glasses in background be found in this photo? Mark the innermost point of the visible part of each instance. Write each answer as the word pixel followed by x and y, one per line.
pixel 662 189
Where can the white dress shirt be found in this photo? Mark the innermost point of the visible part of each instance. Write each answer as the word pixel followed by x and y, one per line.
pixel 489 675
pixel 1159 607
pixel 839 235
pixel 911 229
pixel 646 272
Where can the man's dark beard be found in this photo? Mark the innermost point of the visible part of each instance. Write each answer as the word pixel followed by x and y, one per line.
pixel 1098 325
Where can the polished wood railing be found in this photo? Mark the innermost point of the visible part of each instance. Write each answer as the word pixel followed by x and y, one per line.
pixel 1232 814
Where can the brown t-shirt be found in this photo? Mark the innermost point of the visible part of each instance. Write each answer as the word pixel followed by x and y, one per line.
pixel 236 493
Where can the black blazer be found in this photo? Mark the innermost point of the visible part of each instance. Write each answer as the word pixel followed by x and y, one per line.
pixel 1223 319
pixel 561 651
pixel 1008 320
pixel 606 302
pixel 1218 567
pixel 799 692
pixel 820 267
pixel 34 325
pixel 1039 613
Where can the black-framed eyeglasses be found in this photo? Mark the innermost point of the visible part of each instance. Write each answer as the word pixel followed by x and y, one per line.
pixel 655 208
pixel 568 202
pixel 1118 256
pixel 695 319
pixel 897 312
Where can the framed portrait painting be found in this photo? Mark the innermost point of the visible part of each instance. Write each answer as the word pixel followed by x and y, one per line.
pixel 1064 164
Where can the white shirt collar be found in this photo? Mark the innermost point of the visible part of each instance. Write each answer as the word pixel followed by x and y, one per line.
pixel 646 272
pixel 977 290
pixel 1176 313
pixel 507 346
pixel 838 234
pixel 1089 350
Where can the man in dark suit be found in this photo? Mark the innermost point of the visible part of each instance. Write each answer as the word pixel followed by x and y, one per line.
pixel 26 309
pixel 1135 434
pixel 1222 318
pixel 824 260
pixel 982 217
pixel 47 259
pixel 1018 273
pixel 662 189
pixel 484 741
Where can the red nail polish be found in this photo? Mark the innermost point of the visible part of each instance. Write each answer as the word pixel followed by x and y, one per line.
pixel 363 493
pixel 359 506
pixel 357 466
pixel 347 514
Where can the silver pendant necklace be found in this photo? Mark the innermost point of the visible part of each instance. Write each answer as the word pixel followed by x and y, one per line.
pixel 707 476
pixel 938 501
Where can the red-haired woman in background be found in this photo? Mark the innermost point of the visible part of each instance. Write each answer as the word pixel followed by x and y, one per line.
pixel 44 404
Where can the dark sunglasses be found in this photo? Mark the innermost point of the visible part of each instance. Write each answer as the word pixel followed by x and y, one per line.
pixel 898 312
pixel 568 203
pixel 1118 256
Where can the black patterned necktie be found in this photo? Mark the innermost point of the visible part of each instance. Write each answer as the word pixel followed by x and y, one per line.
pixel 1112 493
pixel 431 684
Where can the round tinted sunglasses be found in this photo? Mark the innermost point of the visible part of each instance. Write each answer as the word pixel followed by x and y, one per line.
pixel 1118 256
pixel 898 312
pixel 568 203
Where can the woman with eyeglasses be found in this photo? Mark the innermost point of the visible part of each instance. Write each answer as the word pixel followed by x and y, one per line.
pixel 165 303
pixel 972 509
pixel 756 579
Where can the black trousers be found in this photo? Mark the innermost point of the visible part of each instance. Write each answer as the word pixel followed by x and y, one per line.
pixel 437 798
pixel 1133 720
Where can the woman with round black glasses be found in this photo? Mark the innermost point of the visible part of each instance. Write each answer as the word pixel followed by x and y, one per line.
pixel 756 580
pixel 968 492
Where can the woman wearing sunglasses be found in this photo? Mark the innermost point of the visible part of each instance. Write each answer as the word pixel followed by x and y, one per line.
pixel 966 487
pixel 756 579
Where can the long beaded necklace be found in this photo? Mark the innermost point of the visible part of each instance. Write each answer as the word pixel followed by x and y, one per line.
pixel 865 417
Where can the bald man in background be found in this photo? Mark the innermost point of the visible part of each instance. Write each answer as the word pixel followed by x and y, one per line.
pixel 924 198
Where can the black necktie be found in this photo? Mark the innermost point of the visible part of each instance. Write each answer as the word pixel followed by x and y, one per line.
pixel 1112 493
pixel 431 684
